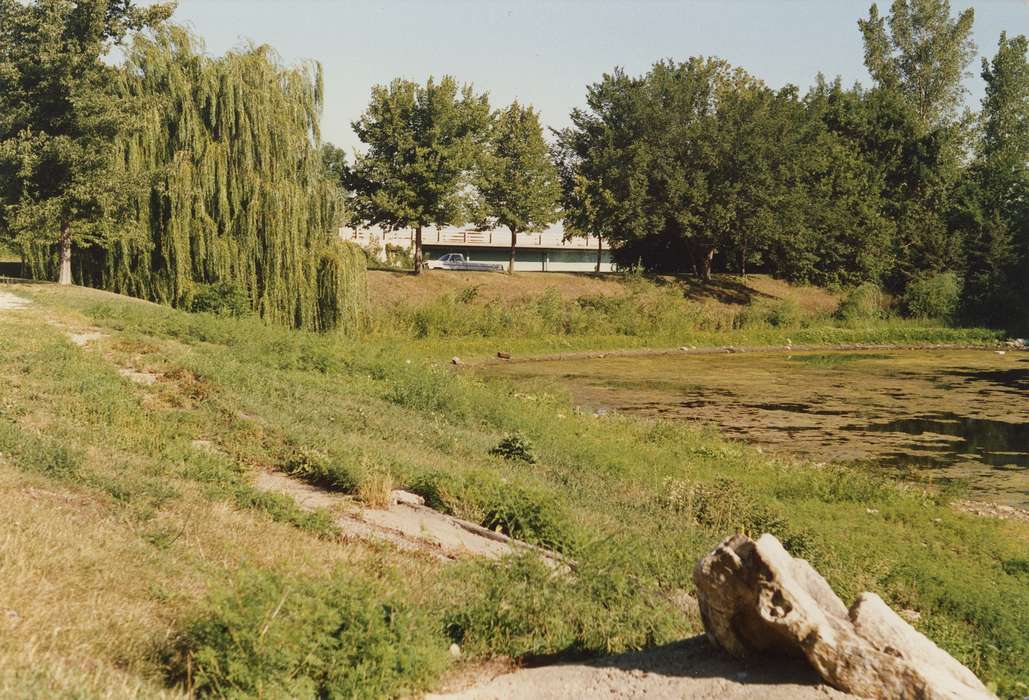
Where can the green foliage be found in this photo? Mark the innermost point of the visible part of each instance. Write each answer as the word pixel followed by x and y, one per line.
pixel 282 508
pixel 272 636
pixel 522 607
pixel 60 119
pixel 221 298
pixel 517 178
pixel 424 142
pixel 863 303
pixel 236 191
pixel 38 453
pixel 921 52
pixel 528 515
pixel 778 313
pixel 515 447
pixel 698 164
pixel 933 296
pixel 992 210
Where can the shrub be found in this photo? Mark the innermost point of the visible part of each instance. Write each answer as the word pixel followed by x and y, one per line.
pixel 527 515
pixel 515 447
pixel 438 489
pixel 222 299
pixel 934 296
pixel 520 606
pixel 318 469
pixel 778 313
pixel 269 636
pixel 863 303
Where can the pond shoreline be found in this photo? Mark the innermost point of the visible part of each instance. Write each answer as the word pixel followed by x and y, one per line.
pixel 727 349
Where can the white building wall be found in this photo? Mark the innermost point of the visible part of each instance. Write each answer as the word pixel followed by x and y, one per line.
pixel 546 251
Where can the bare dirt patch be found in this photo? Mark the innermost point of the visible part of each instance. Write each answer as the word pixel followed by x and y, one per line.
pixel 12 302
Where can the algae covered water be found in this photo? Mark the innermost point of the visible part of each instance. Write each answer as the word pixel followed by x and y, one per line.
pixel 944 415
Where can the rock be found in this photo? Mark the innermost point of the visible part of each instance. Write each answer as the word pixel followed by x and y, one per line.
pixel 455 651
pixel 1000 352
pixel 405 497
pixel 504 355
pixel 754 597
pixel 911 615
pixel 684 348
pixel 455 360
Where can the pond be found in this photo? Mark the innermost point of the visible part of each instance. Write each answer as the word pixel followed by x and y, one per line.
pixel 948 415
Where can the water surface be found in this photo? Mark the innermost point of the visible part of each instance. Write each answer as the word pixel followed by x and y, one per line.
pixel 948 415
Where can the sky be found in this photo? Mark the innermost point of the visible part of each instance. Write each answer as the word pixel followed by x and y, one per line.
pixel 546 53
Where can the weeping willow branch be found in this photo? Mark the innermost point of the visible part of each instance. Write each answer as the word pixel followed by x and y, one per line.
pixel 234 190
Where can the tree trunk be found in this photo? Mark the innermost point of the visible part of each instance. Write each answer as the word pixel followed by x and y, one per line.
pixel 65 242
pixel 707 261
pixel 743 259
pixel 418 250
pixel 514 248
pixel 600 251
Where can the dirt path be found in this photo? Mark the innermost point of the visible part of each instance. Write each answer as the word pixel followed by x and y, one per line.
pixel 687 669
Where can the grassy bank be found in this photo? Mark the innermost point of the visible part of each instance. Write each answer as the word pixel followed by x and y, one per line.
pixel 140 560
pixel 473 315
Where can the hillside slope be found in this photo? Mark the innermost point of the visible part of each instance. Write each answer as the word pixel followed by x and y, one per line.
pixel 141 560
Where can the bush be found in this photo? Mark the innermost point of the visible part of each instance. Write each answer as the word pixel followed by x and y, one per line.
pixel 531 516
pixel 863 303
pixel 934 296
pixel 221 299
pixel 778 313
pixel 520 606
pixel 515 447
pixel 268 636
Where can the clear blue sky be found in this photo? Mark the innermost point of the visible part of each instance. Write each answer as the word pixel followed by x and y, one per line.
pixel 545 53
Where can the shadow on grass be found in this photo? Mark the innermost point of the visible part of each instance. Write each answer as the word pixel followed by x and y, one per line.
pixel 694 657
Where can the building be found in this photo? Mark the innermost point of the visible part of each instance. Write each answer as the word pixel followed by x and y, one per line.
pixel 546 251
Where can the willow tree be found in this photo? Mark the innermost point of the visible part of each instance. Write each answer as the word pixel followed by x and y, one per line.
pixel 236 191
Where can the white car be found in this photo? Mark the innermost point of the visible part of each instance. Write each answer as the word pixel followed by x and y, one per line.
pixel 456 261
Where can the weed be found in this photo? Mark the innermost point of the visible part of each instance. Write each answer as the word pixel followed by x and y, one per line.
pixel 376 489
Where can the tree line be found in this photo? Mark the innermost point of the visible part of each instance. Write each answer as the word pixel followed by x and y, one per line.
pixel 694 166
pixel 698 166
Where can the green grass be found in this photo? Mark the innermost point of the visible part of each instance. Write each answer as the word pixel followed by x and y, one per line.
pixel 197 562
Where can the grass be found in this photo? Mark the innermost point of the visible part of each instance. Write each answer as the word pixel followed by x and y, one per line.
pixel 141 563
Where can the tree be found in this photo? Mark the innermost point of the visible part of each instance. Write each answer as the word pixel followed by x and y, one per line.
pixel 234 194
pixel 635 164
pixel 994 208
pixel 918 56
pixel 518 180
pixel 59 119
pixel 920 51
pixel 424 144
